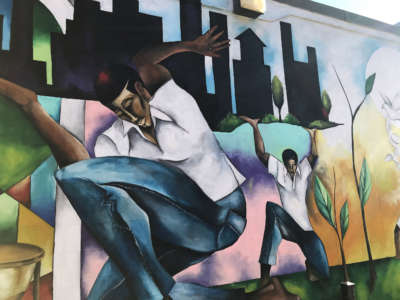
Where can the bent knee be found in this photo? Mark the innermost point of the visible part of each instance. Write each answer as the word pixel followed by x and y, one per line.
pixel 271 207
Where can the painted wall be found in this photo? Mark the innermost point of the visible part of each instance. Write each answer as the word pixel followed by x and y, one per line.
pixel 305 50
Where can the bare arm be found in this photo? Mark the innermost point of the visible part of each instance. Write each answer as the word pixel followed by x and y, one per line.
pixel 147 60
pixel 258 140
pixel 313 156
pixel 64 146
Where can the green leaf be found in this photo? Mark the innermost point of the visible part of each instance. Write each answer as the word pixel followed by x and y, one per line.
pixel 369 83
pixel 322 124
pixel 229 123
pixel 344 218
pixel 365 185
pixel 269 118
pixel 277 92
pixel 291 119
pixel 323 201
pixel 326 102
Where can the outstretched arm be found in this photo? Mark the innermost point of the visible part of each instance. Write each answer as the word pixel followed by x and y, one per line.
pixel 147 60
pixel 64 146
pixel 313 156
pixel 258 140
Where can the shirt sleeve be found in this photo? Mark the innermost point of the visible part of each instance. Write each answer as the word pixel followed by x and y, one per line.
pixel 181 107
pixel 105 147
pixel 273 165
pixel 305 167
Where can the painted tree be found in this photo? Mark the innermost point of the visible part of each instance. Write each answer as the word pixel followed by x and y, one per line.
pixel 277 94
pixel 326 104
pixel 324 204
pixel 363 185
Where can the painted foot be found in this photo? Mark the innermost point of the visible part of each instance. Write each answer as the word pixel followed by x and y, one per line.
pixel 272 291
pixel 311 274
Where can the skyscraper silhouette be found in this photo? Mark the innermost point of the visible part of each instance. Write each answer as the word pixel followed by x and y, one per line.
pixel 17 64
pixel 252 78
pixel 302 81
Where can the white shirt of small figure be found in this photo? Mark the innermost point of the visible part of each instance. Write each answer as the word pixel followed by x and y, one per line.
pixel 293 192
pixel 185 141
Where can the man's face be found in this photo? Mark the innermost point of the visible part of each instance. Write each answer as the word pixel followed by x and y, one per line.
pixel 291 167
pixel 134 107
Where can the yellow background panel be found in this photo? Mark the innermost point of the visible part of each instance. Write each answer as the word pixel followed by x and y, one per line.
pixel 33 230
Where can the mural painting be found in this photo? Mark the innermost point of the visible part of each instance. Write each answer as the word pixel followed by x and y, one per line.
pixel 187 149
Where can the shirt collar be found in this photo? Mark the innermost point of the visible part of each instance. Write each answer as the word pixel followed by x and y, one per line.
pixel 298 171
pixel 156 112
pixel 126 126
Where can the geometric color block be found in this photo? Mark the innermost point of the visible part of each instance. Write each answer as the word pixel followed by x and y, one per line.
pixel 52 106
pixel 8 219
pixel 22 149
pixel 43 190
pixel 33 230
pixel 67 248
pixel 44 24
pixel 5 10
pixel 22 192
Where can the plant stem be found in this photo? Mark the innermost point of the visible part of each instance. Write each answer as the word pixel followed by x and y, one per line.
pixel 344 264
pixel 346 273
pixel 280 116
pixel 372 272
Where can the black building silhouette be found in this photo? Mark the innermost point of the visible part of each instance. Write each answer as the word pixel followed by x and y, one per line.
pixel 221 69
pixel 96 38
pixel 302 81
pixel 17 64
pixel 188 68
pixel 252 78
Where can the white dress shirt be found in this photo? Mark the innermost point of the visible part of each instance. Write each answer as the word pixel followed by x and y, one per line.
pixel 185 141
pixel 293 192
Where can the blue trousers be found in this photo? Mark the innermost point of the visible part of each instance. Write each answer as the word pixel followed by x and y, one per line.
pixel 153 221
pixel 279 224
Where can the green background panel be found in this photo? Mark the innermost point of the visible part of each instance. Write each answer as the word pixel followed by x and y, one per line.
pixel 8 219
pixel 22 149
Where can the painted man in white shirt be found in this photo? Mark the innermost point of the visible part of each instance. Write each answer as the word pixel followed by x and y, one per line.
pixel 164 196
pixel 172 204
pixel 291 222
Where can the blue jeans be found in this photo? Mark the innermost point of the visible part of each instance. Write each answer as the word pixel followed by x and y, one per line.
pixel 279 224
pixel 153 221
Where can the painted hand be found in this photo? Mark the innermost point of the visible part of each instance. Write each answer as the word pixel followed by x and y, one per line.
pixel 208 45
pixel 252 122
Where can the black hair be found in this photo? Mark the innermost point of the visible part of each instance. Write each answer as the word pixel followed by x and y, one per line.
pixel 289 154
pixel 111 80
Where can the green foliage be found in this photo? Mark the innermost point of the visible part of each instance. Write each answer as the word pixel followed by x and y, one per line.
pixel 22 149
pixel 369 83
pixel 344 218
pixel 277 92
pixel 323 201
pixel 229 123
pixel 322 124
pixel 269 118
pixel 387 287
pixel 365 185
pixel 326 102
pixel 291 119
